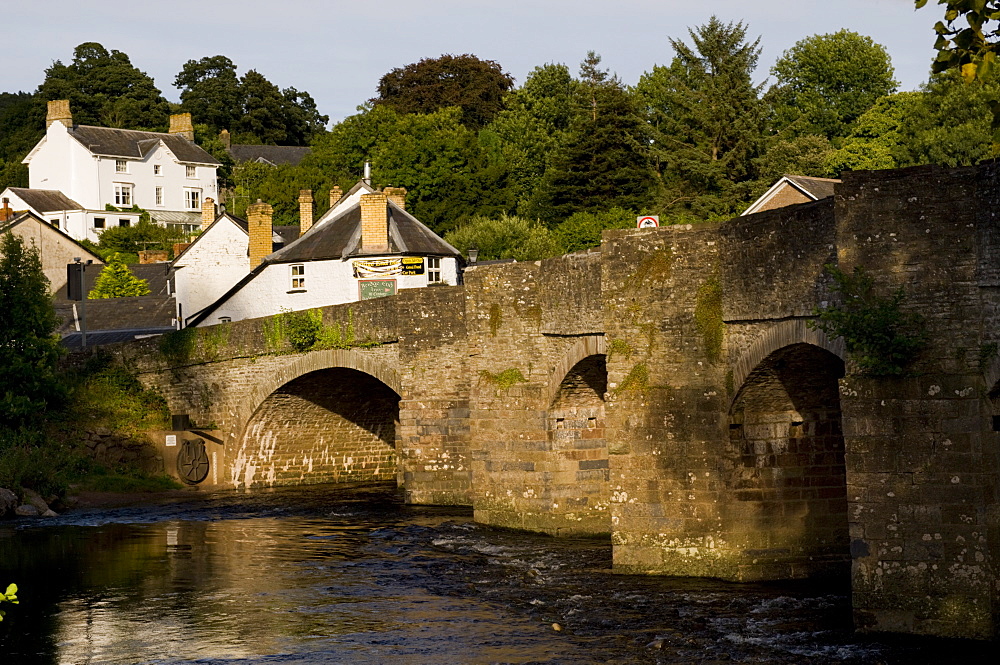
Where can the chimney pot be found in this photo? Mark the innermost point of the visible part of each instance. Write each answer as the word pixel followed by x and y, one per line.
pixel 180 123
pixel 58 111
pixel 259 223
pixel 374 223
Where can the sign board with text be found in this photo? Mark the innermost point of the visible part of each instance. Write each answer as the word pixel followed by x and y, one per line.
pixel 369 289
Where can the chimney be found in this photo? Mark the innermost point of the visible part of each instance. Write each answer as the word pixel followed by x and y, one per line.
pixel 207 212
pixel 227 141
pixel 259 220
pixel 305 210
pixel 374 223
pixel 147 256
pixel 397 195
pixel 5 212
pixel 335 195
pixel 59 112
pixel 180 123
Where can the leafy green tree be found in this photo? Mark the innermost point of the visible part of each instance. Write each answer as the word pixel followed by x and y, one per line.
pixel 104 88
pixel 949 123
pixel 130 240
pixel 603 160
pixel 22 125
pixel 522 138
pixel 706 119
pixel 117 281
pixel 476 86
pixel 29 349
pixel 806 154
pixel 505 237
pixel 825 82
pixel 210 91
pixel 968 37
pixel 583 229
pixel 874 142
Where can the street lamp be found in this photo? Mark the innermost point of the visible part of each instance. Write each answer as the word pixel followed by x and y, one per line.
pixel 473 253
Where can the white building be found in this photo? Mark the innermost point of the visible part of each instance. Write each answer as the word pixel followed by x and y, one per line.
pixel 367 246
pixel 66 214
pixel 164 173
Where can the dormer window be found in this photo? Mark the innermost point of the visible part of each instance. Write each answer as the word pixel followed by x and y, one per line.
pixel 121 166
pixel 190 171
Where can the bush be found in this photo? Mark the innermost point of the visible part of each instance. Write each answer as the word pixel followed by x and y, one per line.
pixel 505 237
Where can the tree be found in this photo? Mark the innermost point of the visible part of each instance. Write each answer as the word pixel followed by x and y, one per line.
pixel 807 154
pixel 583 229
pixel 210 91
pixel 970 45
pixel 29 350
pixel 875 141
pixel 103 88
pixel 825 82
pixel 705 114
pixel 117 281
pixel 505 237
pixel 949 123
pixel 603 160
pixel 476 86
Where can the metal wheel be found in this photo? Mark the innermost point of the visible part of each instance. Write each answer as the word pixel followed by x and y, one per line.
pixel 192 461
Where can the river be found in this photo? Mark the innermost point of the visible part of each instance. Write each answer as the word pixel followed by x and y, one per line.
pixel 348 574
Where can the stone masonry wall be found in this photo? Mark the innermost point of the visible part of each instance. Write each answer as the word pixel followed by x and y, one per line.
pixel 524 474
pixel 922 465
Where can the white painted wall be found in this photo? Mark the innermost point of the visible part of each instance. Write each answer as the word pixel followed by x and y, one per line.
pixel 78 224
pixel 210 267
pixel 61 162
pixel 327 283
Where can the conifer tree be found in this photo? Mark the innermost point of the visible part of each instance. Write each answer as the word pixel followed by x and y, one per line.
pixel 604 159
pixel 117 281
pixel 705 114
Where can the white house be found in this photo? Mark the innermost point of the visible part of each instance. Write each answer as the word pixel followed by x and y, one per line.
pixel 367 249
pixel 164 173
pixel 217 259
pixel 66 214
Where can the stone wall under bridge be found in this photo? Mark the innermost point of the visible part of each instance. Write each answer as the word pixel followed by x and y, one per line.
pixel 668 390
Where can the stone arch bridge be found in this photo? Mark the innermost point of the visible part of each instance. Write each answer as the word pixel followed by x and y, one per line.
pixel 666 390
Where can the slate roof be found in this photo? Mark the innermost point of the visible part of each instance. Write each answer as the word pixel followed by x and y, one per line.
pixel 135 144
pixel 270 154
pixel 117 319
pixel 45 200
pixel 819 188
pixel 340 237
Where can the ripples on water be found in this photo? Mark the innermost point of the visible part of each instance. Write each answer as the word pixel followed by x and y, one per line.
pixel 347 574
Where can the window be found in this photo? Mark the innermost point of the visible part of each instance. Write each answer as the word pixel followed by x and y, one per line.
pixel 121 166
pixel 225 319
pixel 189 171
pixel 159 196
pixel 192 199
pixel 54 222
pixel 98 222
pixel 124 222
pixel 433 269
pixel 123 194
pixel 298 277
pixel 157 169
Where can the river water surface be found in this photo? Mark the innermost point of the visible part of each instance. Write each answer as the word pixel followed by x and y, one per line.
pixel 348 574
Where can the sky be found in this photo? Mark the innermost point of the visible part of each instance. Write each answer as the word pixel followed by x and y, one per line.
pixel 337 51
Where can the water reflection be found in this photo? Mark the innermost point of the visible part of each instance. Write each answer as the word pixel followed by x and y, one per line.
pixel 320 575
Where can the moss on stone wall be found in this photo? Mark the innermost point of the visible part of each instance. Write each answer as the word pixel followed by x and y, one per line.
pixel 708 317
pixel 636 380
pixel 496 319
pixel 619 347
pixel 503 380
pixel 656 267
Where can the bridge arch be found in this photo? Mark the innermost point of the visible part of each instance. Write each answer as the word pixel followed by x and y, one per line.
pixel 325 416
pixel 785 333
pixel 591 345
